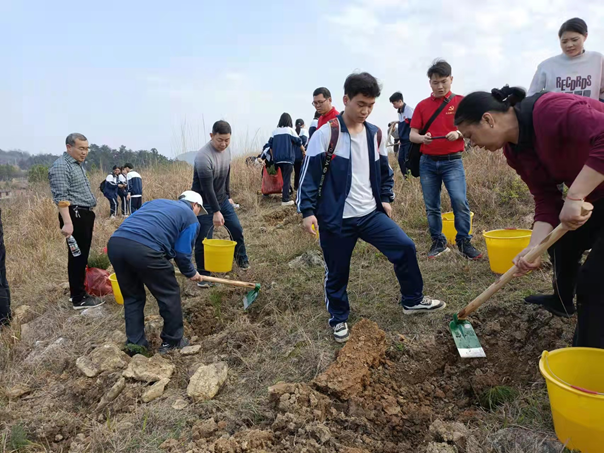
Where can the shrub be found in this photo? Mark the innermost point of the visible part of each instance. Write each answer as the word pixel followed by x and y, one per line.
pixel 37 174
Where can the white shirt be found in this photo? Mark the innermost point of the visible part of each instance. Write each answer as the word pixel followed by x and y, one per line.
pixel 582 75
pixel 406 114
pixel 360 201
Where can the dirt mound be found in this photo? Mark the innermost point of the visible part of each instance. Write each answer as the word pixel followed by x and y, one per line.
pixel 350 373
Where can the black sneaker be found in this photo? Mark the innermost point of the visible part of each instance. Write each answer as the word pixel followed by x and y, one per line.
pixel 340 332
pixel 553 304
pixel 167 346
pixel 467 250
pixel 439 246
pixel 426 305
pixel 88 301
pixel 204 284
pixel 244 265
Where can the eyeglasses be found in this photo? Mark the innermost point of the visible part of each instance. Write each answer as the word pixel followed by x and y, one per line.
pixel 318 103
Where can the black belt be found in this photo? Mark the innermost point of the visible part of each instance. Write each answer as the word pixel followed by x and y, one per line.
pixel 453 156
pixel 81 208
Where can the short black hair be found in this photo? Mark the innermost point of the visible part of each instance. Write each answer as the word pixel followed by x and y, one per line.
pixel 362 83
pixel 221 127
pixel 317 115
pixel 285 120
pixel 575 24
pixel 115 167
pixel 322 90
pixel 129 166
pixel 440 68
pixel 398 96
pixel 71 138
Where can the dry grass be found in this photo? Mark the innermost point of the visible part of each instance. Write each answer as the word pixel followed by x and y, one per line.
pixel 283 337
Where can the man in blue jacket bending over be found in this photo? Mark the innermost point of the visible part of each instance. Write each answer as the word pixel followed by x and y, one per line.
pixel 352 201
pixel 140 251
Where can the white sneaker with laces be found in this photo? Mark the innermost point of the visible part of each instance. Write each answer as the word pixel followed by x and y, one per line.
pixel 340 332
pixel 426 305
pixel 288 203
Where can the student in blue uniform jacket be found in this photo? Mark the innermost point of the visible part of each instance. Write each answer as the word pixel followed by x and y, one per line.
pixel 110 190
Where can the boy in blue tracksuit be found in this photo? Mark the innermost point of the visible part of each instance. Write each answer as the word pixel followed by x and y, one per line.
pixel 405 113
pixel 283 144
pixel 300 151
pixel 352 201
pixel 110 190
pixel 135 188
pixel 140 252
pixel 122 190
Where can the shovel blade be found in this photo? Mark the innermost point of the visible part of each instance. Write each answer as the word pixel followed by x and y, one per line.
pixel 251 296
pixel 465 339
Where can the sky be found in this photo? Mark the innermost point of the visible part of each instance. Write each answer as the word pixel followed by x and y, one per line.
pixel 156 74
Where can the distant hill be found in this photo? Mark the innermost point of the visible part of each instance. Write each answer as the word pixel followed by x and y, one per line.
pixel 187 157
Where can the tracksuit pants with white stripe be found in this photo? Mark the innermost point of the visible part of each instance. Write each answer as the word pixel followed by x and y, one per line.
pixel 384 234
pixel 112 204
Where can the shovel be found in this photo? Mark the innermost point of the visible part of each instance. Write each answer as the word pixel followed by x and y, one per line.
pixel 463 333
pixel 249 298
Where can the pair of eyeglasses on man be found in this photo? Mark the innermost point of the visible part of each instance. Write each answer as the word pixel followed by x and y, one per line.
pixel 318 103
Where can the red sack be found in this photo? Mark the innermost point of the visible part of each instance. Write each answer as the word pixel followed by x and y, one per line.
pixel 271 183
pixel 97 282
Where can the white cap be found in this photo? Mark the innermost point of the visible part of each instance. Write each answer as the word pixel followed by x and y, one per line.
pixel 192 197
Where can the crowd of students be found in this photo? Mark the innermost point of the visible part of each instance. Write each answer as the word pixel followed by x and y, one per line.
pixel 126 185
pixel 553 138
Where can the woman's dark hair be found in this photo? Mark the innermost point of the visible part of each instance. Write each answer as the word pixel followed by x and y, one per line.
pixel 299 124
pixel 221 128
pixel 474 105
pixel 362 83
pixel 398 96
pixel 575 25
pixel 285 121
pixel 317 115
pixel 440 68
pixel 115 167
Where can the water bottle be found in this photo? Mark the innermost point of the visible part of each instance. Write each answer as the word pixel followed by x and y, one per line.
pixel 73 246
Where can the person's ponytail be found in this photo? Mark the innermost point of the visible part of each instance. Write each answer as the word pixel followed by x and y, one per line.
pixel 475 105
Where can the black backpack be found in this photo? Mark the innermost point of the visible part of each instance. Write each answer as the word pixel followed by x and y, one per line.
pixel 102 186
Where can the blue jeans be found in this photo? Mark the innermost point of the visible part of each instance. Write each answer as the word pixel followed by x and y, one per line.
pixel 384 234
pixel 432 175
pixel 231 221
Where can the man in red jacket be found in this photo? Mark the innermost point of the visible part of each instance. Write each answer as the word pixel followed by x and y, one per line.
pixel 321 100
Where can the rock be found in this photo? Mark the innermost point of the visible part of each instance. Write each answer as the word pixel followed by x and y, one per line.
pixel 515 439
pixel 311 258
pixel 434 447
pixel 205 429
pixel 149 370
pixel 207 380
pixel 169 444
pixel 112 394
pixel 58 438
pixel 48 353
pixel 108 357
pixel 118 337
pixel 95 312
pixel 153 327
pixel 17 391
pixel 179 404
pixel 350 373
pixel 190 350
pixel 155 391
pixel 320 432
pixel 22 314
pixel 28 333
pixel 448 431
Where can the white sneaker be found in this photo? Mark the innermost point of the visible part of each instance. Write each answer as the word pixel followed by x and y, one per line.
pixel 340 332
pixel 288 203
pixel 426 305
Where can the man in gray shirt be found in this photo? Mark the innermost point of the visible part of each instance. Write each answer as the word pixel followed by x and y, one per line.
pixel 72 194
pixel 211 179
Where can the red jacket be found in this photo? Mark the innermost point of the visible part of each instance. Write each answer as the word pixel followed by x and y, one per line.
pixel 324 119
pixel 559 134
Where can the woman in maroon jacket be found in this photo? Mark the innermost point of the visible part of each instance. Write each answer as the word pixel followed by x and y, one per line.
pixel 551 139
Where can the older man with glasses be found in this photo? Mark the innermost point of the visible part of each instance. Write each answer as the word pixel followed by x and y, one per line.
pixel 322 102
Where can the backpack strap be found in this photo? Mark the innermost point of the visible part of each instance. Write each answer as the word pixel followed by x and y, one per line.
pixel 379 138
pixel 333 141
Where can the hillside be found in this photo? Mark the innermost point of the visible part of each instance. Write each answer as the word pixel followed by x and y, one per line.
pixel 398 385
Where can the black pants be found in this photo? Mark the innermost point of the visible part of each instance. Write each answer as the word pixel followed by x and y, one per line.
pixel 137 266
pixel 112 205
pixel 589 277
pixel 135 204
pixel 297 169
pixel 83 224
pixel 5 313
pixel 286 172
pixel 124 202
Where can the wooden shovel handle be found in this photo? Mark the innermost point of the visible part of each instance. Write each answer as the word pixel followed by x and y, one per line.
pixel 531 256
pixel 228 282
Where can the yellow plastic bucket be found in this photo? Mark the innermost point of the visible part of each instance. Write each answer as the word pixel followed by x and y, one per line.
pixel 117 292
pixel 570 374
pixel 218 254
pixel 504 245
pixel 449 226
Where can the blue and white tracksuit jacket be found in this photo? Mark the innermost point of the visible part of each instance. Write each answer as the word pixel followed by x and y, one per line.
pixel 304 138
pixel 135 184
pixel 284 142
pixel 330 208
